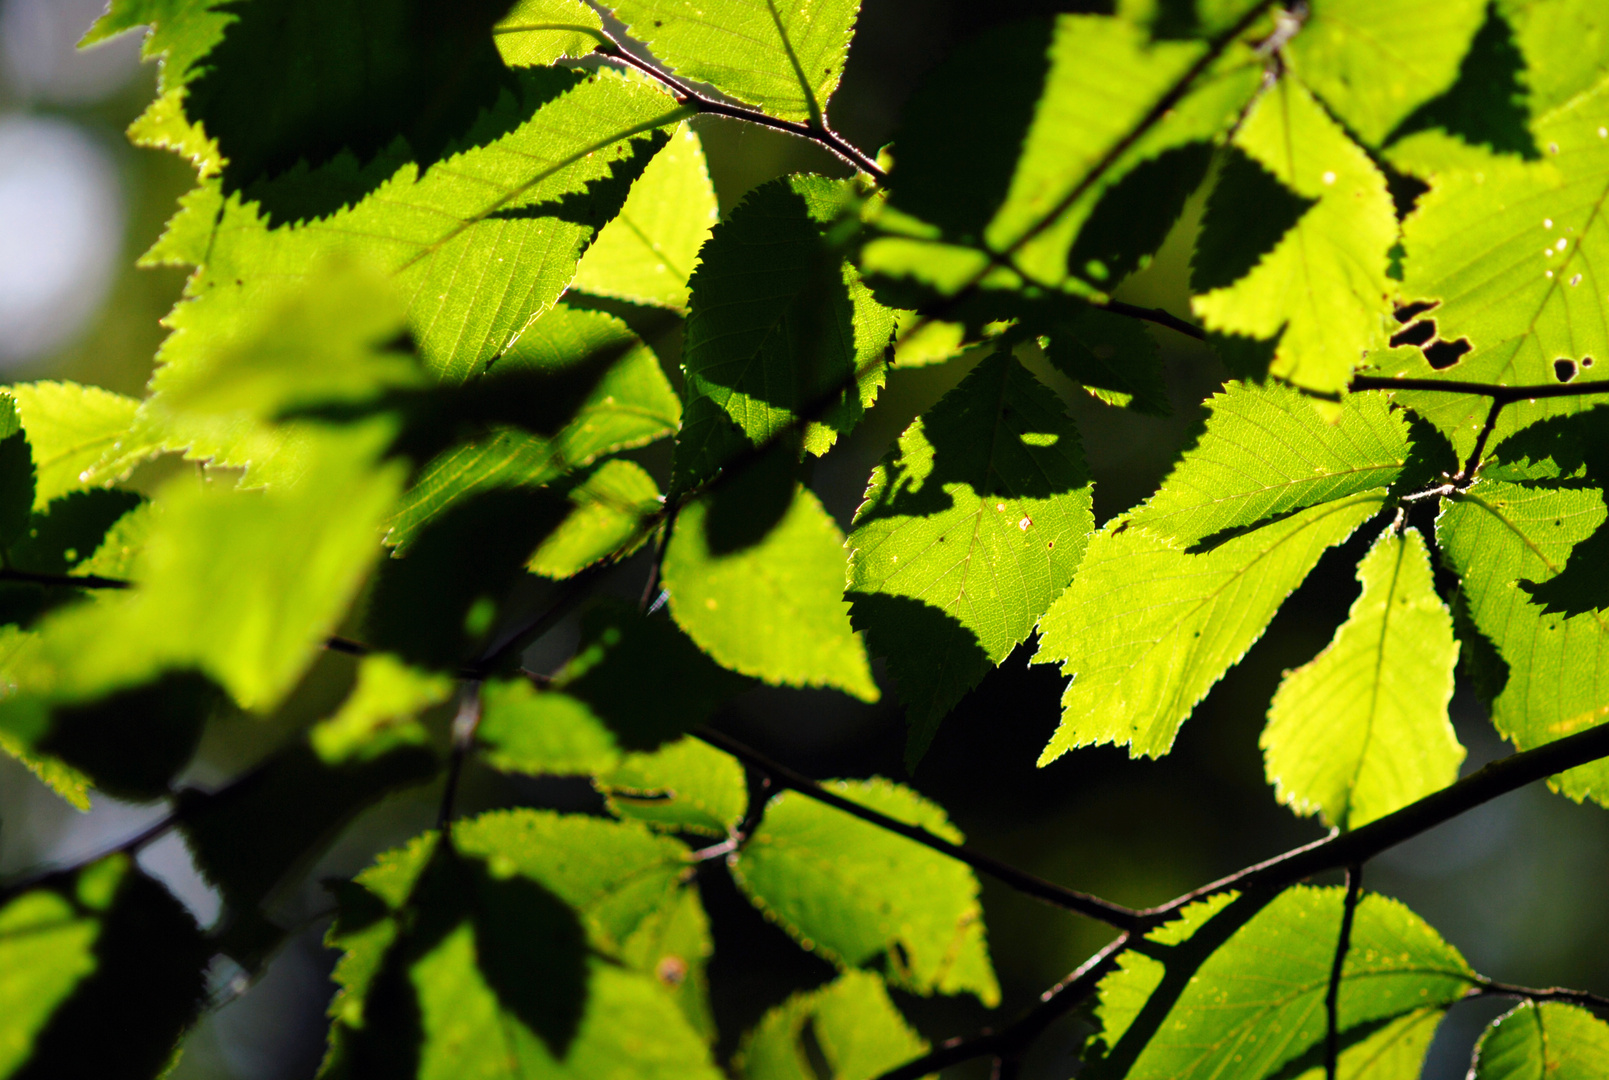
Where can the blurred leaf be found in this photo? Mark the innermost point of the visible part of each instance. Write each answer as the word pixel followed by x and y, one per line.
pixel 784 59
pixel 1354 55
pixel 610 508
pixel 542 732
pixel 1566 47
pixel 673 944
pixel 1255 1005
pixel 774 610
pixel 970 527
pixel 686 786
pixel 1265 451
pixel 1146 628
pixel 865 897
pixel 857 1030
pixel 781 329
pixel 381 713
pixel 1363 730
pixel 538 32
pixel 82 947
pixel 1322 289
pixel 1547 1039
pixel 1500 537
pixel 647 253
pixel 70 428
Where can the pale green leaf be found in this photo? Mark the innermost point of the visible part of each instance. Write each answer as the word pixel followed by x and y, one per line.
pixel 861 895
pixel 544 171
pixel 613 504
pixel 1322 290
pixel 860 1033
pixel 381 712
pixel 45 948
pixel 1266 451
pixel 70 428
pixel 993 189
pixel 687 786
pixel 1503 539
pixel 1362 730
pixel 1507 254
pixel 543 732
pixel 774 610
pixel 970 527
pixel 545 31
pixel 1146 628
pixel 783 58
pixel 1256 1005
pixel 779 325
pixel 647 253
pixel 1565 44
pixel 1543 1041
pixel 1353 55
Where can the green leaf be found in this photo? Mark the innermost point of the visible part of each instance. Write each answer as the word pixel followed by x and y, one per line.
pixel 536 32
pixel 1322 290
pixel 1255 1005
pixel 16 475
pixel 381 713
pixel 1352 55
pixel 243 585
pixel 970 527
pixel 1266 452
pixel 1506 255
pixel 688 786
pixel 773 610
pixel 1395 1051
pixel 1146 628
pixel 519 201
pixel 611 507
pixel 81 947
pixel 1547 1039
pixel 674 945
pixel 1566 47
pixel 785 59
pixel 630 405
pixel 1362 730
pixel 780 326
pixel 633 684
pixel 859 1033
pixel 993 189
pixel 1504 540
pixel 70 428
pixel 647 253
pixel 1112 357
pixel 862 896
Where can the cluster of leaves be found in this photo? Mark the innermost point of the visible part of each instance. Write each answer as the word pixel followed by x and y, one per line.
pixel 437 252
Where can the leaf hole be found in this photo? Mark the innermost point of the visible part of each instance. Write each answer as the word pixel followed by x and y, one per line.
pixel 1564 369
pixel 1418 333
pixel 1409 312
pixel 1444 354
pixel 1586 361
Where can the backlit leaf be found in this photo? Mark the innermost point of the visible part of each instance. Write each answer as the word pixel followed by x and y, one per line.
pixel 536 32
pixel 860 1033
pixel 1547 1039
pixel 70 428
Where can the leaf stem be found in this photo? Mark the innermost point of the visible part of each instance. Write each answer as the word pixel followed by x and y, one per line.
pixel 1083 903
pixel 1332 997
pixel 1492 988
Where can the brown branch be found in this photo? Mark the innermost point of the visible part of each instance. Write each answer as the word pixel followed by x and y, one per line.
pixel 1069 899
pixel 1492 988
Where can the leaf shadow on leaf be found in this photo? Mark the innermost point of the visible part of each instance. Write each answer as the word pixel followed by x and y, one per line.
pixel 148 979
pixel 529 947
pixel 1486 105
pixel 602 198
pixel 747 502
pixel 1248 213
pixel 302 82
pixel 436 605
pixel 931 680
pixel 956 149
pixel 1478 658
pixel 1180 963
pixel 1134 215
pixel 1246 358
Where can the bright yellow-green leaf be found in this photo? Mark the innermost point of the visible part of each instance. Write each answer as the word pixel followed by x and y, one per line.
pixel 860 1033
pixel 612 507
pixel 70 427
pixel 381 712
pixel 546 31
pixel 1543 1041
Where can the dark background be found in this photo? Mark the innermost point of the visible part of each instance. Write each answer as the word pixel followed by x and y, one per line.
pixel 1515 885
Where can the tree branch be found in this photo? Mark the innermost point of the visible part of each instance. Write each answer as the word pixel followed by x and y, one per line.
pixel 1491 988
pixel 1332 997
pixel 66 581
pixel 1083 903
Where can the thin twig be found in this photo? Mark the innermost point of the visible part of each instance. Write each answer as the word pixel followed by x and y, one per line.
pixel 1083 903
pixel 1491 988
pixel 463 739
pixel 650 589
pixel 820 133
pixel 1332 997
pixel 1467 473
pixel 66 581
pixel 514 641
